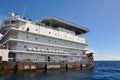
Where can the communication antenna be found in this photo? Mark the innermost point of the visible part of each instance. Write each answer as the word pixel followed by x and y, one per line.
pixel 12 14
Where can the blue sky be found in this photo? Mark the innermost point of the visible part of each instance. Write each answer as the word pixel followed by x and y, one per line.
pixel 102 17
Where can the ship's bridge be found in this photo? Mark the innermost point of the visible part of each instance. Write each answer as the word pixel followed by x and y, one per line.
pixel 58 22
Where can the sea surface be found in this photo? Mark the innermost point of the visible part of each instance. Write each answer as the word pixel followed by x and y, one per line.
pixel 103 70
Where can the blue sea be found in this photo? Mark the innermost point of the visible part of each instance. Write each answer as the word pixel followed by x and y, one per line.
pixel 103 70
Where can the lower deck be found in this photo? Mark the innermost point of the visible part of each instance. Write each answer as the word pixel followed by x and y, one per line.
pixel 44 62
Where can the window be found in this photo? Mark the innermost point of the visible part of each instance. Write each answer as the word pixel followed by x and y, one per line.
pixel 7 22
pixel 28 29
pixel 36 59
pixel 13 22
pixel 48 58
pixel 55 41
pixel 36 47
pixel 27 37
pixel 65 43
pixel 36 38
pixel 38 56
pixel 71 58
pixel 24 46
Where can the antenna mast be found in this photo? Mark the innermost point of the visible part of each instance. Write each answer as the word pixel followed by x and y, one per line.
pixel 23 11
pixel 23 5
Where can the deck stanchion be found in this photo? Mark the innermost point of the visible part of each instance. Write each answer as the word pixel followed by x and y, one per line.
pixel 66 67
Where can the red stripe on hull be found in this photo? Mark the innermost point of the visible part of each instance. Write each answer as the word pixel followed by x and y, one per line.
pixel 8 71
pixel 40 70
pixel 62 69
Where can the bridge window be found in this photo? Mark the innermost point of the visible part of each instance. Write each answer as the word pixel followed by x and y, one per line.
pixel 13 22
pixel 7 22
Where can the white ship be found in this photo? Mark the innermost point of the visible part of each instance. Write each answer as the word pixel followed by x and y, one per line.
pixel 48 43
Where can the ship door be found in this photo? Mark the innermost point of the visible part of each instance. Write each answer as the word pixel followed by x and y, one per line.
pixel 48 58
pixel 0 59
pixel 0 62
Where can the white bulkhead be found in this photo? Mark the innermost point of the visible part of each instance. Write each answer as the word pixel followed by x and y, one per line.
pixel 41 41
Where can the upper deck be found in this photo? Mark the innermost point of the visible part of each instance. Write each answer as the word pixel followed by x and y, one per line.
pixel 50 27
pixel 58 22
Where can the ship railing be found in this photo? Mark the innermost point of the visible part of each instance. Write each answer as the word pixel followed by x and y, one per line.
pixel 83 55
pixel 9 25
pixel 55 52
pixel 24 59
pixel 80 39
pixel 48 51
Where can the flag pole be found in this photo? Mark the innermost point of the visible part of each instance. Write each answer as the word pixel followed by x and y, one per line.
pixel 23 5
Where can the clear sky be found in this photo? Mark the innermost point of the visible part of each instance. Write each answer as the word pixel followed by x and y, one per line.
pixel 102 17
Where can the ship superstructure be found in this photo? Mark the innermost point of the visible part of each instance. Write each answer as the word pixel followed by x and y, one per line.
pixel 50 41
